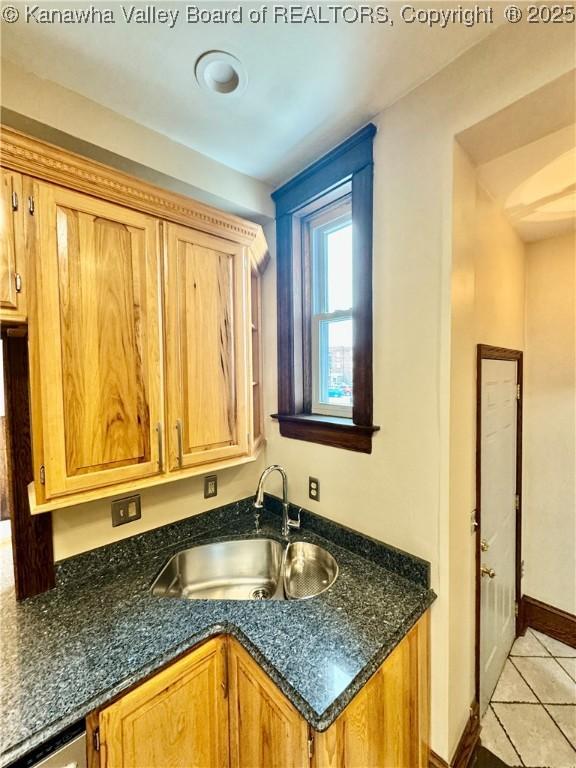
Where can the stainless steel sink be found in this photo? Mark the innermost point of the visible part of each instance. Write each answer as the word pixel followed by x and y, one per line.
pixel 227 570
pixel 247 569
pixel 308 570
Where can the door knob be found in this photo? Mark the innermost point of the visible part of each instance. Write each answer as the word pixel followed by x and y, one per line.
pixel 484 546
pixel 490 572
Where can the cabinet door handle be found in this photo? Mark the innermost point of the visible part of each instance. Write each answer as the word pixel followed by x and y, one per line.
pixel 18 282
pixel 160 447
pixel 14 201
pixel 485 571
pixel 180 450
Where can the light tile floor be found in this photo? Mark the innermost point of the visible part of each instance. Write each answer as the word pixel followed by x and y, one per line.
pixel 531 719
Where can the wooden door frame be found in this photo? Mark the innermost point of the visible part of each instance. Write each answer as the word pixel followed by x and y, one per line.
pixel 487 352
pixel 32 547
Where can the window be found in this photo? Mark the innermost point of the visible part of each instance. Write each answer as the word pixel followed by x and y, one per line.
pixel 324 248
pixel 330 273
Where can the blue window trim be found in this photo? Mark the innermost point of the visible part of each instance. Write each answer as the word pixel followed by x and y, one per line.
pixel 336 167
pixel 350 164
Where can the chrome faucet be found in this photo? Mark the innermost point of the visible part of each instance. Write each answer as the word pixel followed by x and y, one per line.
pixel 287 523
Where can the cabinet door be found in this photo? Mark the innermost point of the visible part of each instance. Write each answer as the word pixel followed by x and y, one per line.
pixel 207 332
pixel 256 349
pixel 12 268
pixel 265 729
pixel 98 341
pixel 386 724
pixel 177 719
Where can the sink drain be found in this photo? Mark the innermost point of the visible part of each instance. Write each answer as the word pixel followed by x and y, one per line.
pixel 260 594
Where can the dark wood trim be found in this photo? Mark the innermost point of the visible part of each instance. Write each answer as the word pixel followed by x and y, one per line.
pixel 326 430
pixel 553 622
pixel 285 299
pixel 347 169
pixel 435 761
pixel 330 171
pixel 469 740
pixel 362 213
pixel 4 500
pixel 467 745
pixel 487 352
pixel 31 534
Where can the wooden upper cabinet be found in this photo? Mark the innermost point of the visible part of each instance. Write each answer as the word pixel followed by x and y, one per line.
pixel 256 350
pixel 98 341
pixel 178 718
pixel 207 335
pixel 265 729
pixel 12 252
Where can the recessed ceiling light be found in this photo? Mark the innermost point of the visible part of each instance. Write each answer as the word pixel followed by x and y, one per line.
pixel 221 73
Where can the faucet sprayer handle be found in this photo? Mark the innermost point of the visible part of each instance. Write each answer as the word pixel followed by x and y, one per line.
pixel 295 523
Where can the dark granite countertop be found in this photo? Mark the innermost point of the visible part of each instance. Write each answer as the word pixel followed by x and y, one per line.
pixel 69 651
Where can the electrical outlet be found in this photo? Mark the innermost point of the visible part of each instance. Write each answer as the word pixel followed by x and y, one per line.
pixel 210 486
pixel 126 510
pixel 314 488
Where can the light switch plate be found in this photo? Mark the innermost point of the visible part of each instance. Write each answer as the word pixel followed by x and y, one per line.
pixel 126 510
pixel 210 486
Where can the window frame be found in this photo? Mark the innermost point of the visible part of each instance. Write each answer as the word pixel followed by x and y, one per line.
pixel 345 171
pixel 317 226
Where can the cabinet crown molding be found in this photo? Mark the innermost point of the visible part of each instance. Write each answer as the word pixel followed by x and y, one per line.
pixel 48 162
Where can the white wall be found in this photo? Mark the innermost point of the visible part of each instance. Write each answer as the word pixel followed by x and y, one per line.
pixel 487 308
pixel 87 526
pixel 400 493
pixel 180 168
pixel 499 305
pixel 549 501
pixel 462 487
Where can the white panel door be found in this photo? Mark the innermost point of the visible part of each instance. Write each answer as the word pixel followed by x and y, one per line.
pixel 498 520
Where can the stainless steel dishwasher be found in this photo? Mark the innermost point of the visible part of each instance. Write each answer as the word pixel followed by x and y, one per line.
pixel 70 755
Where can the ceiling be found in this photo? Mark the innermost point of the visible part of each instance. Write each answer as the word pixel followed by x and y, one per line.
pixel 309 85
pixel 525 157
pixel 539 113
pixel 536 185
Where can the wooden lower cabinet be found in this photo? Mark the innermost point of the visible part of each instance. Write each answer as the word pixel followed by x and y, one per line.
pixel 215 707
pixel 386 724
pixel 265 729
pixel 177 718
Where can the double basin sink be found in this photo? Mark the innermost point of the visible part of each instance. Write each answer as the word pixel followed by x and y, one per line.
pixel 248 569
